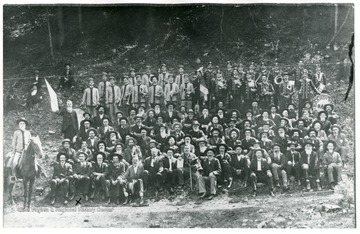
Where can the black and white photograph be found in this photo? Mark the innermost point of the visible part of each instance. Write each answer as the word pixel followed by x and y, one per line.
pixel 178 115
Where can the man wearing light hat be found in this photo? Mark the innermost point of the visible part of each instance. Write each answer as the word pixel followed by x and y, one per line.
pixel 91 98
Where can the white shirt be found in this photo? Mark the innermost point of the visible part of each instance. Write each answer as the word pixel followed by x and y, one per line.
pixel 135 169
pixel 180 163
pixel 258 165
pixel 239 157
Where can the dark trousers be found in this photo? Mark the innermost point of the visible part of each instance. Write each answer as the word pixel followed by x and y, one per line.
pixel 182 173
pixel 243 174
pixel 118 188
pixel 154 179
pixel 99 185
pixel 294 170
pixel 261 177
pixel 225 172
pixel 66 83
pixel 59 186
pixel 80 184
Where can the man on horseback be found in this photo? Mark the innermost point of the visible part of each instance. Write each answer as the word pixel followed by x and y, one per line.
pixel 20 141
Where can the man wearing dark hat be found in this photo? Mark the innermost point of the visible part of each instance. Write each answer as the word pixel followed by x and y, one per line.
pixel 240 164
pixel 67 79
pixel 195 132
pixel 65 148
pixel 84 148
pixel 101 147
pixel 274 116
pixel 152 169
pixel 342 143
pixel 224 158
pixel 260 172
pixel 325 123
pixel 124 128
pixel 81 178
pixel 216 137
pixel 248 141
pixel 20 141
pixel 115 180
pixel 211 171
pixel 103 84
pixel 112 139
pixel 234 138
pixel 112 100
pixel 293 167
pixel 315 140
pixel 133 176
pixel 278 166
pixel 310 163
pixel 61 176
pixel 99 174
pixel 332 162
pixel 170 113
pixel 34 96
pixel 91 98
pixel 332 116
pixel 82 134
pixel 297 139
pixel 167 167
pixel 281 138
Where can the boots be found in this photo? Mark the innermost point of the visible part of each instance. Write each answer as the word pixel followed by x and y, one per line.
pixel 53 200
pixel 308 185
pixel 318 185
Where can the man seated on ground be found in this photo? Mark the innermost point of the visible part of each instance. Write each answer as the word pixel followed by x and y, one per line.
pixel 34 96
pixel 293 162
pixel 152 169
pixel 239 165
pixel 224 159
pixel 133 177
pixel 260 172
pixel 186 163
pixel 309 162
pixel 98 177
pixel 210 171
pixel 115 182
pixel 67 79
pixel 80 183
pixel 60 179
pixel 332 162
pixel 168 164
pixel 278 166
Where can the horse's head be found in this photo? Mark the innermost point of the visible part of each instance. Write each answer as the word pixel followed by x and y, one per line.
pixel 36 145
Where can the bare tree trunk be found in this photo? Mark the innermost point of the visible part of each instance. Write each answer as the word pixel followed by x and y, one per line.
pixel 61 26
pixel 80 20
pixel 221 24
pixel 50 36
pixel 336 18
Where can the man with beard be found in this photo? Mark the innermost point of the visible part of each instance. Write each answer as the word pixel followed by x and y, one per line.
pixel 98 177
pixel 133 177
pixel 66 149
pixel 92 140
pixel 332 162
pixel 282 139
pixel 239 165
pixel 156 93
pixel 152 171
pixel 225 160
pixel 234 139
pixel 277 166
pixel 81 176
pixel 342 143
pixel 317 143
pixel 70 121
pixel 309 162
pixel 248 141
pixel 215 137
pixel 293 167
pixel 124 128
pixel 115 181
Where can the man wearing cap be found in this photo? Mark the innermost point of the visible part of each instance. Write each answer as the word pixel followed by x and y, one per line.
pixel 163 76
pixel 125 98
pixel 70 121
pixel 156 93
pixel 133 176
pixel 186 93
pixel 20 141
pixel 293 167
pixel 211 171
pixel 91 98
pixel 260 172
pixel 146 77
pixel 92 140
pixel 60 179
pixel 342 143
pixel 332 162
pixel 81 178
pixel 172 91
pixel 309 162
pixel 115 178
pixel 103 84
pixel 140 93
pixel 99 174
pixel 278 166
pixel 113 94
pixel 67 79
pixel 306 87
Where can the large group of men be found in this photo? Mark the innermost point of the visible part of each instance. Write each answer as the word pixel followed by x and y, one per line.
pixel 206 128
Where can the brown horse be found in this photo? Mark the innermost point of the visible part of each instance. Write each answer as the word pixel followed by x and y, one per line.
pixel 26 170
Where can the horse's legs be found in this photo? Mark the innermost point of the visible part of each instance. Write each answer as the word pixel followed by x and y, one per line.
pixel 11 187
pixel 31 185
pixel 25 182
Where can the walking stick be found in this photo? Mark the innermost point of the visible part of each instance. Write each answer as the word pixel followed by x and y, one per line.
pixel 190 177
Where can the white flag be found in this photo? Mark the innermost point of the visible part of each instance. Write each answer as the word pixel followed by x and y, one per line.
pixel 80 115
pixel 53 97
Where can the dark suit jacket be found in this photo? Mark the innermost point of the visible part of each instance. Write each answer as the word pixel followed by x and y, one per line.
pixel 280 161
pixel 293 156
pixel 116 171
pixel 211 166
pixel 93 148
pixel 314 160
pixel 62 172
pixel 264 165
pixel 69 119
pixel 165 163
pixel 276 119
pixel 97 121
pixel 131 175
pixel 83 170
pixel 168 119
pixel 147 164
pixel 103 169
pixel 239 164
pixel 248 144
